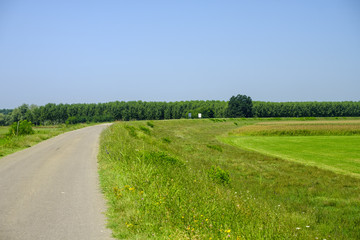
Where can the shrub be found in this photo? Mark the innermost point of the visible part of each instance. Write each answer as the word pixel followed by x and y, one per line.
pixel 21 128
pixel 215 147
pixel 145 130
pixel 162 158
pixel 166 140
pixel 131 130
pixel 150 124
pixel 219 175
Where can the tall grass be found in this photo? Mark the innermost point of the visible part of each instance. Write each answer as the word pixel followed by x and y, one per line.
pixel 171 189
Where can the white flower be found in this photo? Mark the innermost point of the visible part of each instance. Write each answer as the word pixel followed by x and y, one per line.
pixel 298 228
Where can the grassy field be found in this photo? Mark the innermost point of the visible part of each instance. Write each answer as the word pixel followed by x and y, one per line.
pixel 11 144
pixel 176 180
pixel 337 153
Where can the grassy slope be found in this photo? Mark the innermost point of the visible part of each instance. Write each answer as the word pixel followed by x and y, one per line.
pixel 336 153
pixel 267 198
pixel 10 145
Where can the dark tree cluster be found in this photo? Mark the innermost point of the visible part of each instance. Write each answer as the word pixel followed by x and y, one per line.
pixel 237 106
pixel 306 109
pixel 114 111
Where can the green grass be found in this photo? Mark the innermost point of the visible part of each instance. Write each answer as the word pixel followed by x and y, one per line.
pixel 11 144
pixel 185 187
pixel 337 153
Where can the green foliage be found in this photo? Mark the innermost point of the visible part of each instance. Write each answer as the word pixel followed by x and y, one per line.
pixel 150 124
pixel 145 130
pixel 21 128
pixel 219 175
pixel 131 130
pixel 217 119
pixel 215 147
pixel 166 140
pixel 239 106
pixel 162 158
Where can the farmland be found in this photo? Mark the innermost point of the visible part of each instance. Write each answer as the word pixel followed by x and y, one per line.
pixel 178 179
pixel 332 145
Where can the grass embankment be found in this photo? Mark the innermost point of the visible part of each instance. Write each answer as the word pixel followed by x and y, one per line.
pixel 168 180
pixel 11 144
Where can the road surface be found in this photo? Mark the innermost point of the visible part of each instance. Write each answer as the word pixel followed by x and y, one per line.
pixel 51 190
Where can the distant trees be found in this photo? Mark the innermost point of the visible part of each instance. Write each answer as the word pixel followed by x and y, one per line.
pixel 306 109
pixel 239 106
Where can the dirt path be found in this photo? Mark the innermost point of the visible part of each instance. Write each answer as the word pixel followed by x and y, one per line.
pixel 51 190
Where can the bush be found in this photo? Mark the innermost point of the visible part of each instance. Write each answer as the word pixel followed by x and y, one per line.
pixel 21 128
pixel 150 124
pixel 145 130
pixel 215 147
pixel 219 175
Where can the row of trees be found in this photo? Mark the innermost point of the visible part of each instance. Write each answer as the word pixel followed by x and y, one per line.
pixel 237 106
pixel 306 109
pixel 104 112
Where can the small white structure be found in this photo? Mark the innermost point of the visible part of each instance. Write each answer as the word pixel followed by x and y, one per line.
pixel 199 115
pixel 189 115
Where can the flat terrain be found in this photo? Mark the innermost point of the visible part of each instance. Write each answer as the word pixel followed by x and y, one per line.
pixel 332 145
pixel 337 153
pixel 50 191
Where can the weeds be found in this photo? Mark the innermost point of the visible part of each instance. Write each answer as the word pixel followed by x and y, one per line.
pixel 164 191
pixel 215 147
pixel 219 175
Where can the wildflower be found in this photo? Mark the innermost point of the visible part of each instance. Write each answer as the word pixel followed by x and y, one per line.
pixel 298 228
pixel 228 231
pixel 182 217
pixel 307 226
pixel 132 188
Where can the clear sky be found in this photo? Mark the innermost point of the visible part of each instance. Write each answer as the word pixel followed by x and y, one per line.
pixel 84 51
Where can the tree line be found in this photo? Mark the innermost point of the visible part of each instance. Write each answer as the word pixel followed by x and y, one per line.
pixel 237 106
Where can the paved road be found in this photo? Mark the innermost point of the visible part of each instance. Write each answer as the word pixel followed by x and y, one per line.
pixel 51 190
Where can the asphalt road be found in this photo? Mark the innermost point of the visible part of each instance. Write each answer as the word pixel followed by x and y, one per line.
pixel 51 190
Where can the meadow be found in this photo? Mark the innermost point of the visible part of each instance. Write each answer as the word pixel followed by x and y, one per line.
pixel 11 144
pixel 177 179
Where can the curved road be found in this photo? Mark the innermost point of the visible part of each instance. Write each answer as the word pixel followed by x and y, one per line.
pixel 51 190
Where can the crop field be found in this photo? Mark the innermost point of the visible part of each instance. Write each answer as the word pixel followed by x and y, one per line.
pixel 179 179
pixel 11 144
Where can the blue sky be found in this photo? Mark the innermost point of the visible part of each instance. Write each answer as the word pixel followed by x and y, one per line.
pixel 101 51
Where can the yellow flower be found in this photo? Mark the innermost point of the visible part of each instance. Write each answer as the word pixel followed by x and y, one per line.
pixel 132 188
pixel 228 231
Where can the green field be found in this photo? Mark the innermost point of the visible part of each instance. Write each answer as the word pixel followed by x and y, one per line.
pixel 337 153
pixel 176 180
